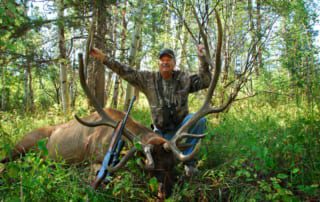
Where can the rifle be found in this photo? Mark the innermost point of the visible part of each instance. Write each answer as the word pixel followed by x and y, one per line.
pixel 112 156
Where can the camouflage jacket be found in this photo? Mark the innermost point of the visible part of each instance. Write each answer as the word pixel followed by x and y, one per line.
pixel 168 99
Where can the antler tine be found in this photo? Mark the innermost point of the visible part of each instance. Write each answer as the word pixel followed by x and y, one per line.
pixel 185 135
pixel 90 124
pixel 178 154
pixel 123 161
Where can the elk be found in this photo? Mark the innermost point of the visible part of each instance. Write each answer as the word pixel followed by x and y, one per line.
pixel 82 140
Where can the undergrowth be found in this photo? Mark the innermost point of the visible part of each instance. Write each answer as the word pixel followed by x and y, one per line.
pixel 249 154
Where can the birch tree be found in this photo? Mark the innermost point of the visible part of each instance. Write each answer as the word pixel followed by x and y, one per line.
pixel 4 90
pixel 136 36
pixel 117 80
pixel 63 59
pixel 28 91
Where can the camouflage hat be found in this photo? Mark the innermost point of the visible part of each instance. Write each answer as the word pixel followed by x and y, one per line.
pixel 167 52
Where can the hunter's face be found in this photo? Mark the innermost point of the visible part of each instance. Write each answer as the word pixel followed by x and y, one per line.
pixel 166 66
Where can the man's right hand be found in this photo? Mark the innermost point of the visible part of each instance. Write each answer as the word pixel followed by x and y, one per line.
pixel 97 54
pixel 201 50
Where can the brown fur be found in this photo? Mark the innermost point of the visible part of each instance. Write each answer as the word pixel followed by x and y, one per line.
pixel 74 142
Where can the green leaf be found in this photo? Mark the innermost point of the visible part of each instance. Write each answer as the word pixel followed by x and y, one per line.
pixel 282 176
pixel 13 171
pixel 295 170
pixel 138 146
pixel 43 147
pixel 153 184
pixel 2 11
pixel 11 7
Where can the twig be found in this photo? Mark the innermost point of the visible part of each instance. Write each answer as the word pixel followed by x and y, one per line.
pixel 247 97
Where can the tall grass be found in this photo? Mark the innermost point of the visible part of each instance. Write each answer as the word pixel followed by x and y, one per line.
pixel 251 153
pixel 264 154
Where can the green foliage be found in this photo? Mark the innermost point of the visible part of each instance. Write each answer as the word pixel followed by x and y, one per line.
pixel 265 149
pixel 271 151
pixel 249 154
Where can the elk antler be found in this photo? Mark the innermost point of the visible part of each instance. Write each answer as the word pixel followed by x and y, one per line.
pixel 105 119
pixel 206 108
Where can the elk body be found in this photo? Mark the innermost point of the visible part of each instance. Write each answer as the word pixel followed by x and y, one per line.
pixel 76 143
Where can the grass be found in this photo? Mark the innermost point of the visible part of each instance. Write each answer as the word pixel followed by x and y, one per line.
pixel 251 153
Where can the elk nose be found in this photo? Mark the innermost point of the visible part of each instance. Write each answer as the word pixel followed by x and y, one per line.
pixel 149 164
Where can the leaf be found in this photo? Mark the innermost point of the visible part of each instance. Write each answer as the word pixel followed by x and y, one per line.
pixel 282 176
pixel 153 184
pixel 2 167
pixel 11 7
pixel 13 171
pixel 138 146
pixel 309 189
pixel 295 170
pixel 243 172
pixel 43 147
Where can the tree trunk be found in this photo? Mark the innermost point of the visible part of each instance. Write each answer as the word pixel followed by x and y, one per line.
pixel 96 73
pixel 115 101
pixel 260 62
pixel 63 58
pixel 310 71
pixel 108 85
pixel 99 67
pixel 136 36
pixel 28 92
pixel 136 91
pixel 253 39
pixel 4 88
pixel 228 12
pixel 226 44
pixel 64 88
pixel 185 37
pixel 73 84
pixel 31 97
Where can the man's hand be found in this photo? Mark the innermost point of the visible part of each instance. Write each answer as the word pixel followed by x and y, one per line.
pixel 201 50
pixel 97 54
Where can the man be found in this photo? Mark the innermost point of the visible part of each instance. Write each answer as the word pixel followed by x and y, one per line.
pixel 167 92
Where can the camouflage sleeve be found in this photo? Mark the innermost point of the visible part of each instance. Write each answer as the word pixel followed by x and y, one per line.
pixel 202 79
pixel 136 78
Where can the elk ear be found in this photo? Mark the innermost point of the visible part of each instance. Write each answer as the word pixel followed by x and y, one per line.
pixel 156 141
